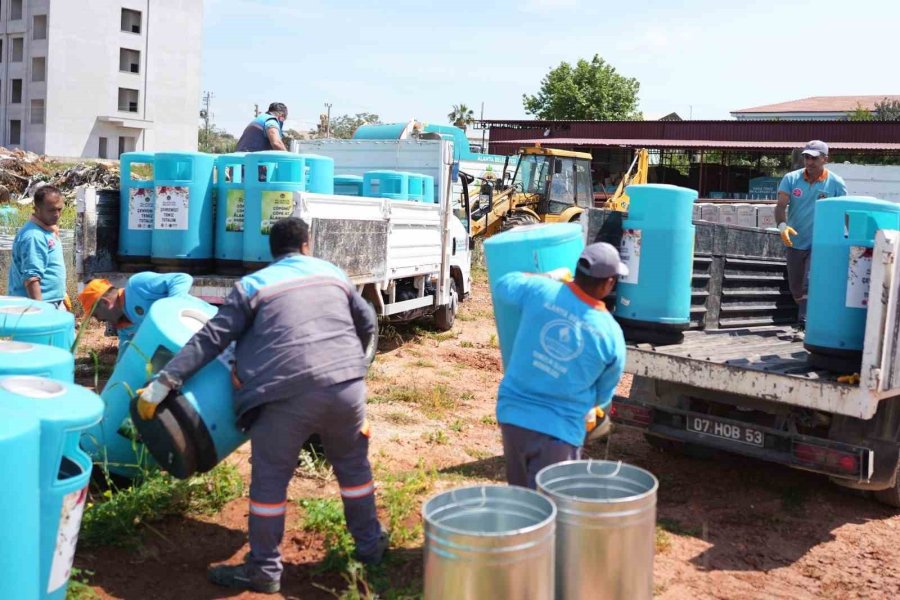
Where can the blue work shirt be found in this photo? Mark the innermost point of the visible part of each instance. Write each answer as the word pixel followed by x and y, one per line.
pixel 142 290
pixel 802 204
pixel 568 357
pixel 37 253
pixel 255 137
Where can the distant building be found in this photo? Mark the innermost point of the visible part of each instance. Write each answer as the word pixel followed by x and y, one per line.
pixel 816 108
pixel 95 78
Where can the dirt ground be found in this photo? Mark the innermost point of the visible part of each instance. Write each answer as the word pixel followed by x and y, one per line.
pixel 728 527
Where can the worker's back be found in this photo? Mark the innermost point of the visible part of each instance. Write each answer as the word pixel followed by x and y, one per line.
pixel 255 137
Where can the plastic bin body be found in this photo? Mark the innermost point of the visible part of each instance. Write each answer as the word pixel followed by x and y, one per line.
pixel 319 173
pixel 428 193
pixel 658 247
pixel 843 237
pixel 386 184
pixel 136 202
pixel 531 249
pixel 416 187
pixel 64 411
pixel 229 236
pixel 183 212
pixel 25 358
pixel 348 185
pixel 272 178
pixel 36 322
pixel 20 446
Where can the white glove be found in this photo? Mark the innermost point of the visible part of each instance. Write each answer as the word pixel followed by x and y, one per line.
pixel 560 274
pixel 150 397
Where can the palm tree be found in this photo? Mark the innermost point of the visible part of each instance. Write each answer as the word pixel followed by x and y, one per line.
pixel 461 115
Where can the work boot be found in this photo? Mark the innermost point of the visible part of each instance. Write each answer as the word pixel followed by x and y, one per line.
pixel 242 577
pixel 376 556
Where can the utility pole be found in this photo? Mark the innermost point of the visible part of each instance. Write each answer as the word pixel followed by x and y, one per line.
pixel 207 101
pixel 483 131
pixel 328 121
pixel 255 110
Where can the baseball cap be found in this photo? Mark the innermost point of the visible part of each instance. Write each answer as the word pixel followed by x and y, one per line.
pixel 816 148
pixel 601 260
pixel 92 292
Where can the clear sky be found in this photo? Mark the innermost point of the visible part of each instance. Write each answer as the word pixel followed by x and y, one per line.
pixel 413 59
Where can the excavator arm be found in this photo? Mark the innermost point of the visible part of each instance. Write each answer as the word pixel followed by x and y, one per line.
pixel 636 174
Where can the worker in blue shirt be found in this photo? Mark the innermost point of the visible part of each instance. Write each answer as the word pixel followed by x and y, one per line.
pixel 125 308
pixel 300 329
pixel 798 193
pixel 265 131
pixel 565 363
pixel 38 270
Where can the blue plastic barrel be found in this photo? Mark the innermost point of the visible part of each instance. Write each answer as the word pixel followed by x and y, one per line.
pixel 136 195
pixel 386 184
pixel 26 320
pixel 183 213
pixel 843 238
pixel 416 187
pixel 20 447
pixel 531 249
pixel 64 410
pixel 272 178
pixel 25 358
pixel 319 173
pixel 653 301
pixel 229 238
pixel 348 185
pixel 428 193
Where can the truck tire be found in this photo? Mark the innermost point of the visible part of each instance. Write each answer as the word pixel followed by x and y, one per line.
pixel 517 219
pixel 371 348
pixel 445 316
pixel 890 496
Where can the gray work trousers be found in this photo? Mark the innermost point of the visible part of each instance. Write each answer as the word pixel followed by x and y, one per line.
pixel 337 413
pixel 798 277
pixel 527 452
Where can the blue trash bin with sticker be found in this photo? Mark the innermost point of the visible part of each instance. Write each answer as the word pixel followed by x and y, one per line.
pixel 27 320
pixel 136 202
pixel 229 238
pixel 271 180
pixel 64 411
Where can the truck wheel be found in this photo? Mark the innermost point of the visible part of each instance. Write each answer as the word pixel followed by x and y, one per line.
pixel 445 316
pixel 890 496
pixel 518 219
pixel 371 348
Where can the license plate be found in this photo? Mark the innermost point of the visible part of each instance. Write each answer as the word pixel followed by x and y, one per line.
pixel 726 431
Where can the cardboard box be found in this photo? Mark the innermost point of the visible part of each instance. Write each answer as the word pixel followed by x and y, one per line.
pixel 765 216
pixel 710 212
pixel 746 215
pixel 728 214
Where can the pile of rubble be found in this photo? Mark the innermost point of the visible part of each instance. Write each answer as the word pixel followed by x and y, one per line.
pixel 24 172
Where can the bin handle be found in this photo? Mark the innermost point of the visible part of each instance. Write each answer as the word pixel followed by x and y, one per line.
pixel 618 468
pixel 483 497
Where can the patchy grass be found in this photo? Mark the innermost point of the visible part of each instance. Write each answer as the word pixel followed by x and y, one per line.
pixel 434 402
pixel 466 344
pixel 438 436
pixel 457 426
pixel 401 495
pixel 489 419
pixel 79 587
pixel 399 418
pixel 663 540
pixel 492 341
pixel 325 516
pixel 477 453
pixel 424 363
pixel 314 465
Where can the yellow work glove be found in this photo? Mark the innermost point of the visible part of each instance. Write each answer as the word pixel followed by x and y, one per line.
pixel 560 274
pixel 786 232
pixel 592 419
pixel 851 379
pixel 67 302
pixel 150 397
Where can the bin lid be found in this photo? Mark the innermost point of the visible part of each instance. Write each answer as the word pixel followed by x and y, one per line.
pixel 179 318
pixel 51 400
pixel 27 316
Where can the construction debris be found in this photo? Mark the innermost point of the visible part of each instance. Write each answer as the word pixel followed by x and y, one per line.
pixel 23 173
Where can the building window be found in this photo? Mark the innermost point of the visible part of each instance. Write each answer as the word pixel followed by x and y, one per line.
pixel 39 29
pixel 15 10
pixel 128 100
pixel 39 68
pixel 101 151
pixel 129 60
pixel 37 112
pixel 15 91
pixel 1 51
pixel 126 144
pixel 131 20
pixel 17 50
pixel 15 132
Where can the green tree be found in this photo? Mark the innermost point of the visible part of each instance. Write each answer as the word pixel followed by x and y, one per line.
pixel 461 116
pixel 215 140
pixel 887 110
pixel 342 127
pixel 588 91
pixel 861 114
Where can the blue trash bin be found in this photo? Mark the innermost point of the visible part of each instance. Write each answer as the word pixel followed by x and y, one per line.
pixel 229 238
pixel 136 203
pixel 416 187
pixel 837 304
pixel 348 185
pixel 386 184
pixel 428 192
pixel 20 447
pixel 531 249
pixel 319 173
pixel 183 211
pixel 64 411
pixel 272 178
pixel 25 358
pixel 653 302
pixel 27 320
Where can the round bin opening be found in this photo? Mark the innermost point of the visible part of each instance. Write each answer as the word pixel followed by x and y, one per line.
pixel 596 481
pixel 20 310
pixel 32 387
pixel 489 510
pixel 193 319
pixel 10 347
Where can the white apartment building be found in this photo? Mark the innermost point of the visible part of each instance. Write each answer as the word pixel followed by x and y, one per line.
pixel 95 78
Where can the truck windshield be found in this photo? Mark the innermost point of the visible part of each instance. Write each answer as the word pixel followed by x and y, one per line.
pixel 531 174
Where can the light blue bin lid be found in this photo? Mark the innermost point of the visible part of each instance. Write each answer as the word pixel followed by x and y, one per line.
pixel 21 357
pixel 536 232
pixel 24 316
pixel 51 400
pixel 179 318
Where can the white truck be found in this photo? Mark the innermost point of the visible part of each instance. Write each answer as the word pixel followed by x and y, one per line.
pixel 408 259
pixel 740 381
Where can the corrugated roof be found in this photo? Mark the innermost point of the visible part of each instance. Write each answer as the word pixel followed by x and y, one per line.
pixel 824 104
pixel 665 143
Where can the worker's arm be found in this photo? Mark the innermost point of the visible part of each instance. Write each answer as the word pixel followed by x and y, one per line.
pixel 32 257
pixel 275 140
pixel 513 287
pixel 363 318
pixel 33 288
pixel 612 374
pixel 781 207
pixel 178 284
